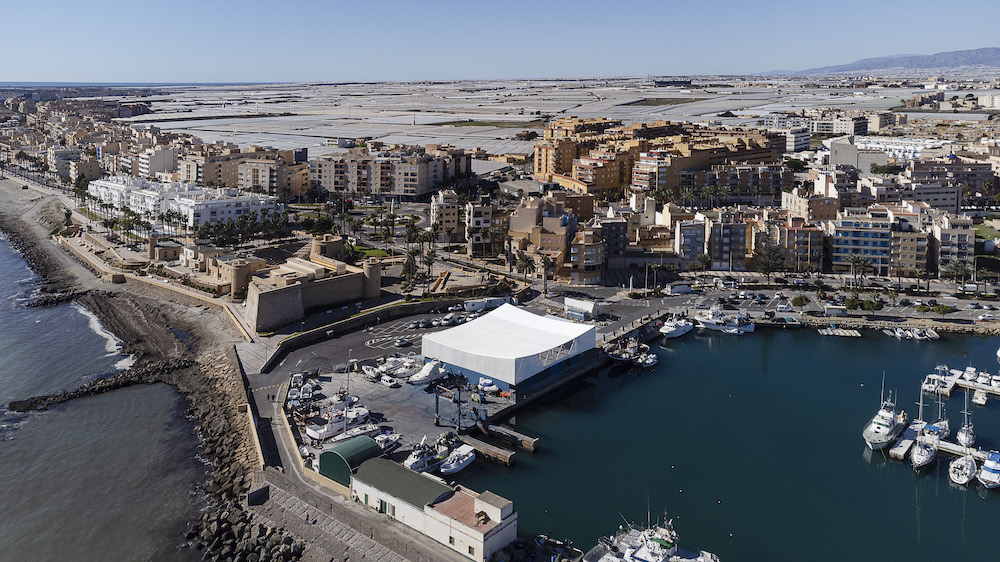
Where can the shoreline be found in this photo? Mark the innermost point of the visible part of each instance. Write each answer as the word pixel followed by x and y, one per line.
pixel 203 368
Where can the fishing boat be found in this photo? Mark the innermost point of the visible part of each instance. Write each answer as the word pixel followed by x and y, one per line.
pixel 989 475
pixel 647 360
pixel 676 328
pixel 461 457
pixel 626 351
pixel 652 543
pixel 886 425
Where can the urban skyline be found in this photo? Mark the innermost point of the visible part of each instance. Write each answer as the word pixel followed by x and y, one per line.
pixel 450 40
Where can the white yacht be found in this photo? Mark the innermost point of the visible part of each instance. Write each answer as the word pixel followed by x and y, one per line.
pixel 883 429
pixel 983 378
pixel 430 372
pixel 716 319
pixel 995 381
pixel 676 328
pixel 989 475
pixel 979 398
pixel 930 384
pixel 969 374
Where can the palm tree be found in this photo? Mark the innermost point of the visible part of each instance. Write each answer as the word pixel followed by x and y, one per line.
pixel 856 261
pixel 429 258
pixel 705 261
pixel 525 265
pixel 547 264
pixel 958 269
pixel 687 196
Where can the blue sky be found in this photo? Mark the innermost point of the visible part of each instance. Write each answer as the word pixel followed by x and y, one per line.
pixel 306 40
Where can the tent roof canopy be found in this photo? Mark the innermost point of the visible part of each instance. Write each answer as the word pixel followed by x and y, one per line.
pixel 509 333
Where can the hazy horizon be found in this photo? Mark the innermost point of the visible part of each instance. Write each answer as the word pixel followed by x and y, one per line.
pixel 253 42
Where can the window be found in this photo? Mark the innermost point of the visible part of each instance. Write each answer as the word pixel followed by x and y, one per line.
pixel 472 551
pixel 451 541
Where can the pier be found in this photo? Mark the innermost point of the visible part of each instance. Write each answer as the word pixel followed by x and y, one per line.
pixel 839 332
pixel 526 442
pixel 905 443
pixel 492 452
pixel 953 449
pixel 954 379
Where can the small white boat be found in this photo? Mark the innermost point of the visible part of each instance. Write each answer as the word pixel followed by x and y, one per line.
pixel 901 333
pixel 368 429
pixel 969 374
pixel 995 381
pixel 931 333
pixel 983 378
pixel 966 437
pixel 979 398
pixel 733 331
pixel 998 354
pixel 461 457
pixel 989 475
pixel 931 383
pixel 388 441
pixel 918 334
pixel 962 470
pixel 371 373
pixel 676 328
pixel 888 332
pixel 647 360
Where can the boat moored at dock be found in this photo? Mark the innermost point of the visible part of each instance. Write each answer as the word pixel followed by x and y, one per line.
pixel 885 427
pixel 654 543
pixel 676 328
pixel 989 475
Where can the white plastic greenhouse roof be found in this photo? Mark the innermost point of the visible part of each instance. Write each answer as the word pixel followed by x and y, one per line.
pixel 509 333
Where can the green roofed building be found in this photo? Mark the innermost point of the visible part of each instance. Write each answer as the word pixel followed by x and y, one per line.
pixel 471 524
pixel 341 461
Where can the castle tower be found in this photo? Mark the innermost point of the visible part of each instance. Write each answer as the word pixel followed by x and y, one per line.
pixel 373 279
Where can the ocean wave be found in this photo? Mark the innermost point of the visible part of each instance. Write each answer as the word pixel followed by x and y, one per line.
pixel 112 344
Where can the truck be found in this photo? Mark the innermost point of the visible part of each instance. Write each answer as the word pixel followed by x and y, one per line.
pixel 475 306
pixel 970 288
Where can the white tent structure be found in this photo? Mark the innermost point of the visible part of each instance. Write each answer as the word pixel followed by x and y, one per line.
pixel 509 345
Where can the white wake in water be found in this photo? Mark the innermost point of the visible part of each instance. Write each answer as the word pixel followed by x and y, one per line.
pixel 112 345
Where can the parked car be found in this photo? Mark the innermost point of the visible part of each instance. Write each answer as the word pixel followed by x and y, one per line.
pixel 701 306
pixel 989 307
pixel 415 324
pixel 455 308
pixel 985 316
pixel 779 295
pixel 425 323
pixel 904 302
pixel 932 302
pixel 973 305
pixel 401 342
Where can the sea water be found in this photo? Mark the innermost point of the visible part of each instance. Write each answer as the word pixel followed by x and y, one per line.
pixel 753 446
pixel 109 477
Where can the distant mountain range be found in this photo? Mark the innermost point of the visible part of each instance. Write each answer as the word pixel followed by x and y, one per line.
pixel 987 57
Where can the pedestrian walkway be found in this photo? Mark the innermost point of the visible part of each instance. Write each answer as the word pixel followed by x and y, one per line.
pixel 326 537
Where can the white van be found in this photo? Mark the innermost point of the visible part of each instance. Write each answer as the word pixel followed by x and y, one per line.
pixel 448 319
pixel 783 308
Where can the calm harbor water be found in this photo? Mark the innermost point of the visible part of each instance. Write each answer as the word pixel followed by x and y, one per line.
pixel 110 477
pixel 753 445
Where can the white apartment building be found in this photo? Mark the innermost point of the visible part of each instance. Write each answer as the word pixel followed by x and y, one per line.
pixel 198 205
pixel 897 147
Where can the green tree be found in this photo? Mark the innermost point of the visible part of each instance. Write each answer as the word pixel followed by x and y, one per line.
pixel 705 261
pixel 795 165
pixel 800 301
pixel 429 259
pixel 767 257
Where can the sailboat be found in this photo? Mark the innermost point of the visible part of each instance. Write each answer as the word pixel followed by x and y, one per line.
pixel 963 469
pixel 924 453
pixel 966 436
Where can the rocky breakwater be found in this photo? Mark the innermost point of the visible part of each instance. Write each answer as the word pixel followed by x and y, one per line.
pixel 213 387
pixel 230 533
